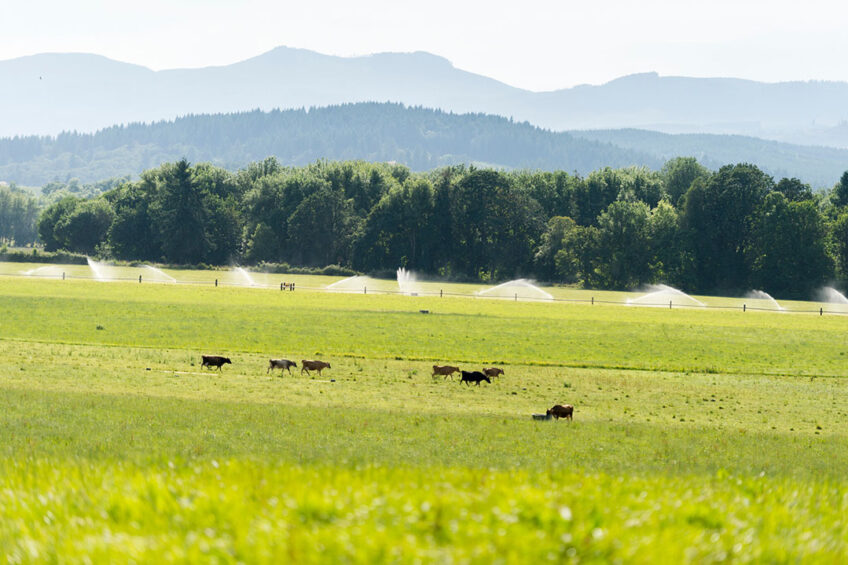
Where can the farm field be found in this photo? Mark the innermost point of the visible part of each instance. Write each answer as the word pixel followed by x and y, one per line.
pixel 699 435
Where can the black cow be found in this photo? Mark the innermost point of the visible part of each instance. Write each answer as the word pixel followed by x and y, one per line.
pixel 214 361
pixel 473 377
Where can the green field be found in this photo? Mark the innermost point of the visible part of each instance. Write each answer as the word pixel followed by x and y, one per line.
pixel 699 435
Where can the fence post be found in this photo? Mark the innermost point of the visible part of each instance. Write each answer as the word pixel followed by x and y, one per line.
pixel 63 275
pixel 441 293
pixel 139 279
pixel 669 304
pixel 364 290
pixel 593 300
pixel 821 311
pixel 216 282
pixel 516 297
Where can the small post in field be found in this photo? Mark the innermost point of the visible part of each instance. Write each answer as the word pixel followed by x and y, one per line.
pixel 669 304
pixel 516 297
pixel 441 293
pixel 216 282
pixel 744 306
pixel 593 301
pixel 291 287
pixel 139 279
pixel 63 275
pixel 821 311
pixel 364 290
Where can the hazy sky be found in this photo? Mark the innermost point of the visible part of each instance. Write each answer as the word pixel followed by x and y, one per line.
pixel 534 44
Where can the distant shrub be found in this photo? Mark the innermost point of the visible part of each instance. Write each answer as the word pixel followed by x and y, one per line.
pixel 36 256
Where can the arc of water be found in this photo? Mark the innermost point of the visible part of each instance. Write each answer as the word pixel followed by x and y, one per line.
pixel 524 283
pixel 160 273
pixel 246 276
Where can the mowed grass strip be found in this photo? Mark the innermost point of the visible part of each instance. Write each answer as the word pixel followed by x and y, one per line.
pixel 486 331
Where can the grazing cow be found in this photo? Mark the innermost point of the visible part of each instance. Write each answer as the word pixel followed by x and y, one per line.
pixel 282 364
pixel 313 366
pixel 446 370
pixel 473 377
pixel 493 372
pixel 214 361
pixel 560 411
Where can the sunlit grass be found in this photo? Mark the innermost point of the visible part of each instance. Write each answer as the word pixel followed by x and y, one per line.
pixel 699 435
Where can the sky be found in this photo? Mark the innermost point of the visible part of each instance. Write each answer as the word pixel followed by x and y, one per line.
pixel 532 44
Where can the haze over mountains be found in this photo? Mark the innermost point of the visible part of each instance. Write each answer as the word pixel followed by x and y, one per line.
pixel 420 138
pixel 50 93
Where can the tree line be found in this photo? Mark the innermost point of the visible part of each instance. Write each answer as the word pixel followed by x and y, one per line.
pixel 731 230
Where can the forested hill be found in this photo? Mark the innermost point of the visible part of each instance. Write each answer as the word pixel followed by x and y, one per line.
pixel 820 166
pixel 419 138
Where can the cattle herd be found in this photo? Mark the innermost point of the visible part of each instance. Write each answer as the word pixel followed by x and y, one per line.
pixel 556 412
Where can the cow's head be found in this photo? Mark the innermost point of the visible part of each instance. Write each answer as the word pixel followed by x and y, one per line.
pixel 227 360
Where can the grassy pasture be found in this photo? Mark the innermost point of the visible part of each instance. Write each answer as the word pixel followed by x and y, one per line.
pixel 700 435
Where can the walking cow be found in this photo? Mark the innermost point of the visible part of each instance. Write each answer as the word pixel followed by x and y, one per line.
pixel 214 361
pixel 282 364
pixel 313 366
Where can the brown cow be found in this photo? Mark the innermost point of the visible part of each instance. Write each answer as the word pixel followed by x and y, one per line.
pixel 282 364
pixel 445 370
pixel 493 372
pixel 313 366
pixel 559 411
pixel 214 361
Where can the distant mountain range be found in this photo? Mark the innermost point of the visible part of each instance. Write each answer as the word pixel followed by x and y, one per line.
pixel 50 93
pixel 420 138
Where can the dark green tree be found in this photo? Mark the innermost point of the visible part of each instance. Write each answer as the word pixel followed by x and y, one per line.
pixel 717 218
pixel 789 248
pixel 839 195
pixel 180 215
pixel 794 190
pixel 624 252
pixel 678 175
